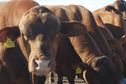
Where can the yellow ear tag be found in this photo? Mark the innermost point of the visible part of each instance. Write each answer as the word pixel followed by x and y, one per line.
pixel 78 70
pixel 9 43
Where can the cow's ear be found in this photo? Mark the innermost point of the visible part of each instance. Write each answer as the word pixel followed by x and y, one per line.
pixel 11 32
pixel 111 8
pixel 72 28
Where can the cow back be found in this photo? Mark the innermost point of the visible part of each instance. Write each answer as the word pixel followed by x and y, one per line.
pixel 12 11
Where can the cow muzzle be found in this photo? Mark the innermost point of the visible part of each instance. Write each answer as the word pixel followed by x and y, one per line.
pixel 40 67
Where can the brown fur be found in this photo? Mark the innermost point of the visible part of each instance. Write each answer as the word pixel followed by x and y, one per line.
pixel 13 63
pixel 113 18
pixel 81 14
pixel 113 43
pixel 10 14
pixel 91 55
pixel 120 5
pixel 114 21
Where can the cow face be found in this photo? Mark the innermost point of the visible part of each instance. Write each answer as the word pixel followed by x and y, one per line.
pixel 39 28
pixel 120 5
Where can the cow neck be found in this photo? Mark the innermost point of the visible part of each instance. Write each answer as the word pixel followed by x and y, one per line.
pixel 98 37
pixel 22 44
pixel 85 47
pixel 91 26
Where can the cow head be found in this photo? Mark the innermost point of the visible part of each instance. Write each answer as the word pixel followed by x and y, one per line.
pixel 120 5
pixel 39 28
pixel 105 68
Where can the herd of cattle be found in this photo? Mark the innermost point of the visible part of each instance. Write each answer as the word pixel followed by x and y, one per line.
pixel 36 41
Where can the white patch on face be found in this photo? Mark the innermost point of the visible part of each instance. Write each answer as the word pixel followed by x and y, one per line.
pixel 42 68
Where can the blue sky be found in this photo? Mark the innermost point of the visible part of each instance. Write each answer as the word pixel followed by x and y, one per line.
pixel 89 4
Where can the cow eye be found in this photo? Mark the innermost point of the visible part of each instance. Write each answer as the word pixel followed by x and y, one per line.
pixel 30 36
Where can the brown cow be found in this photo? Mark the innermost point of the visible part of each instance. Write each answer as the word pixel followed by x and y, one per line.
pixel 120 5
pixel 13 65
pixel 81 14
pixel 113 19
pixel 91 55
pixel 113 43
